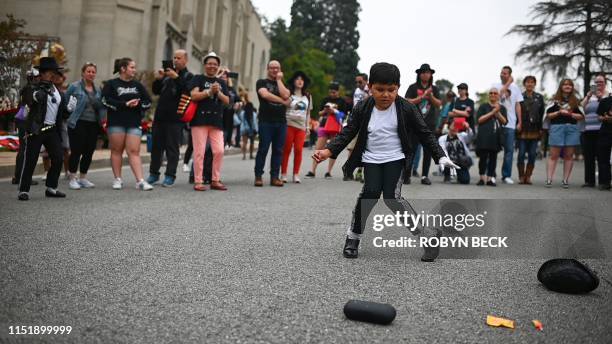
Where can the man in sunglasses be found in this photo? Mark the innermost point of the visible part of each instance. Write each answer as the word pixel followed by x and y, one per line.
pixel 42 127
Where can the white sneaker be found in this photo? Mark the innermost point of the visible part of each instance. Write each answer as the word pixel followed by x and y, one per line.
pixel 284 178
pixel 508 180
pixel 186 168
pixel 86 184
pixel 493 180
pixel 117 184
pixel 74 184
pixel 296 179
pixel 144 186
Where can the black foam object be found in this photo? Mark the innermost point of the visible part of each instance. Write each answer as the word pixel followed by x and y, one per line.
pixel 567 276
pixel 373 312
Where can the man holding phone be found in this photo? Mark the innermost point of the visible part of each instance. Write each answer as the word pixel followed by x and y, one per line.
pixel 170 83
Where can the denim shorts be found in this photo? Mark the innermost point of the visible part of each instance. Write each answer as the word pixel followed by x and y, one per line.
pixel 124 130
pixel 563 135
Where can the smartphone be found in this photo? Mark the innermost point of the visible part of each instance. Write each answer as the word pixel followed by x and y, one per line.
pixel 593 89
pixel 167 64
pixel 232 75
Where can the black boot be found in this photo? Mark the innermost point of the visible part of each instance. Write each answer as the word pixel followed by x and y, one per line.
pixel 351 247
pixel 431 253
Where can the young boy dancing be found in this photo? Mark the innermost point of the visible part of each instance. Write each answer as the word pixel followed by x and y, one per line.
pixel 387 126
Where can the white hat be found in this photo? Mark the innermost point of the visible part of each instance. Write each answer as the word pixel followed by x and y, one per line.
pixel 213 55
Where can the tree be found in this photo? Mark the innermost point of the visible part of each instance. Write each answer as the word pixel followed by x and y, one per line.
pixel 569 35
pixel 332 25
pixel 17 50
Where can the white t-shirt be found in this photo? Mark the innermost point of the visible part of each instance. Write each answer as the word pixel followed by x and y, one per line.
pixel 383 144
pixel 53 103
pixel 516 96
pixel 359 95
pixel 298 112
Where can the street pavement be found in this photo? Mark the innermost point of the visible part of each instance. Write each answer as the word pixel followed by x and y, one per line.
pixel 264 265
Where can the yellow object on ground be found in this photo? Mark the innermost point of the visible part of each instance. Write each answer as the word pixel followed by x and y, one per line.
pixel 497 322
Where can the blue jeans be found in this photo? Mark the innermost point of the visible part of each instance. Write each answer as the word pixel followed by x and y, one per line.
pixel 528 147
pixel 508 152
pixel 417 158
pixel 270 133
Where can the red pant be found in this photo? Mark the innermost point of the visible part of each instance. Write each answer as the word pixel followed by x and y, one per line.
pixel 199 135
pixel 295 138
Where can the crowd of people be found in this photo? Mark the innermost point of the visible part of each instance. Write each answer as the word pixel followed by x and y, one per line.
pixel 66 122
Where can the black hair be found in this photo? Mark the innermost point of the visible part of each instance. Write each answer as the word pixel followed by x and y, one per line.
pixel 418 80
pixel 121 63
pixel 529 77
pixel 603 75
pixel 364 76
pixel 508 68
pixel 384 73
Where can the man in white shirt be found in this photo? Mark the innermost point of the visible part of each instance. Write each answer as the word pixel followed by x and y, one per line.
pixel 511 98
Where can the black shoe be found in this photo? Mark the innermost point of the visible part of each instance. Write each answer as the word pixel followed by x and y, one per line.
pixel 415 173
pixel 14 181
pixel 431 253
pixel 447 180
pixel 328 175
pixel 351 248
pixel 407 181
pixel 490 183
pixel 425 181
pixel 604 187
pixel 54 193
pixel 588 185
pixel 347 178
pixel 191 180
pixel 23 196
pixel 310 175
pixel 480 183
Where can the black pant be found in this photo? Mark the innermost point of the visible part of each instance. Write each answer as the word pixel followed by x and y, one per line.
pixel 426 162
pixel 189 150
pixel 379 178
pixel 53 144
pixel 487 162
pixel 166 138
pixel 20 152
pixel 604 145
pixel 589 150
pixel 83 139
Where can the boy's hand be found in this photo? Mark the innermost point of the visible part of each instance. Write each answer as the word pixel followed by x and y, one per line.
pixel 321 155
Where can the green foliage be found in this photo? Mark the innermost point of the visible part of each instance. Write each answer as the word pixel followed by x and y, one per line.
pixel 568 36
pixel 332 25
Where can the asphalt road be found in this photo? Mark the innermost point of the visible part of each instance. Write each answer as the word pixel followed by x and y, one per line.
pixel 264 265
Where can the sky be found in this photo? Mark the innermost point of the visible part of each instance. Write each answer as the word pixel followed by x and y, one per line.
pixel 463 41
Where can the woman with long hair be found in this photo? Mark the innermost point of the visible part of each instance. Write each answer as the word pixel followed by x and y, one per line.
pixel 84 125
pixel 299 106
pixel 248 125
pixel 564 135
pixel 126 100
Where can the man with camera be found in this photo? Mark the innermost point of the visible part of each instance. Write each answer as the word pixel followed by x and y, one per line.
pixel 170 83
pixel 42 127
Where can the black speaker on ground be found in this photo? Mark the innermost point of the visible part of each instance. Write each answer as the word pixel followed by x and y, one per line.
pixel 372 312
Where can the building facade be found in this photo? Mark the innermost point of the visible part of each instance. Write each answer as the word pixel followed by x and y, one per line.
pixel 149 31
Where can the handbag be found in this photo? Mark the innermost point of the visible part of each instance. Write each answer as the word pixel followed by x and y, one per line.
pixel 186 109
pixel 22 113
pixel 501 135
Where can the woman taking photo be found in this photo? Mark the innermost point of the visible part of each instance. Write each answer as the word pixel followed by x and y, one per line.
pixel 126 100
pixel 299 106
pixel 592 125
pixel 491 118
pixel 564 132
pixel 84 125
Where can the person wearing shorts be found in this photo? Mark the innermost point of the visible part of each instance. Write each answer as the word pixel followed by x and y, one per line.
pixel 564 133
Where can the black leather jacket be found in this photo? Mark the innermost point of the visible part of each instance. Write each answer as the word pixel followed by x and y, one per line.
pixel 411 129
pixel 38 108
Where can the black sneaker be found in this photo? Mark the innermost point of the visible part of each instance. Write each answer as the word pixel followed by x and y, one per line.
pixel 588 185
pixel 23 196
pixel 480 183
pixel 328 175
pixel 565 184
pixel 604 187
pixel 54 193
pixel 491 183
pixel 425 181
pixel 310 175
pixel 351 248
pixel 431 253
pixel 415 173
pixel 407 181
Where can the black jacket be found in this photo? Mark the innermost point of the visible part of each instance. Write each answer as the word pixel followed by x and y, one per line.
pixel 170 91
pixel 38 108
pixel 411 129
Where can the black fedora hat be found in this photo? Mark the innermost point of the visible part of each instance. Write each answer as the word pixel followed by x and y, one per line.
pixel 301 74
pixel 48 63
pixel 424 68
pixel 567 276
